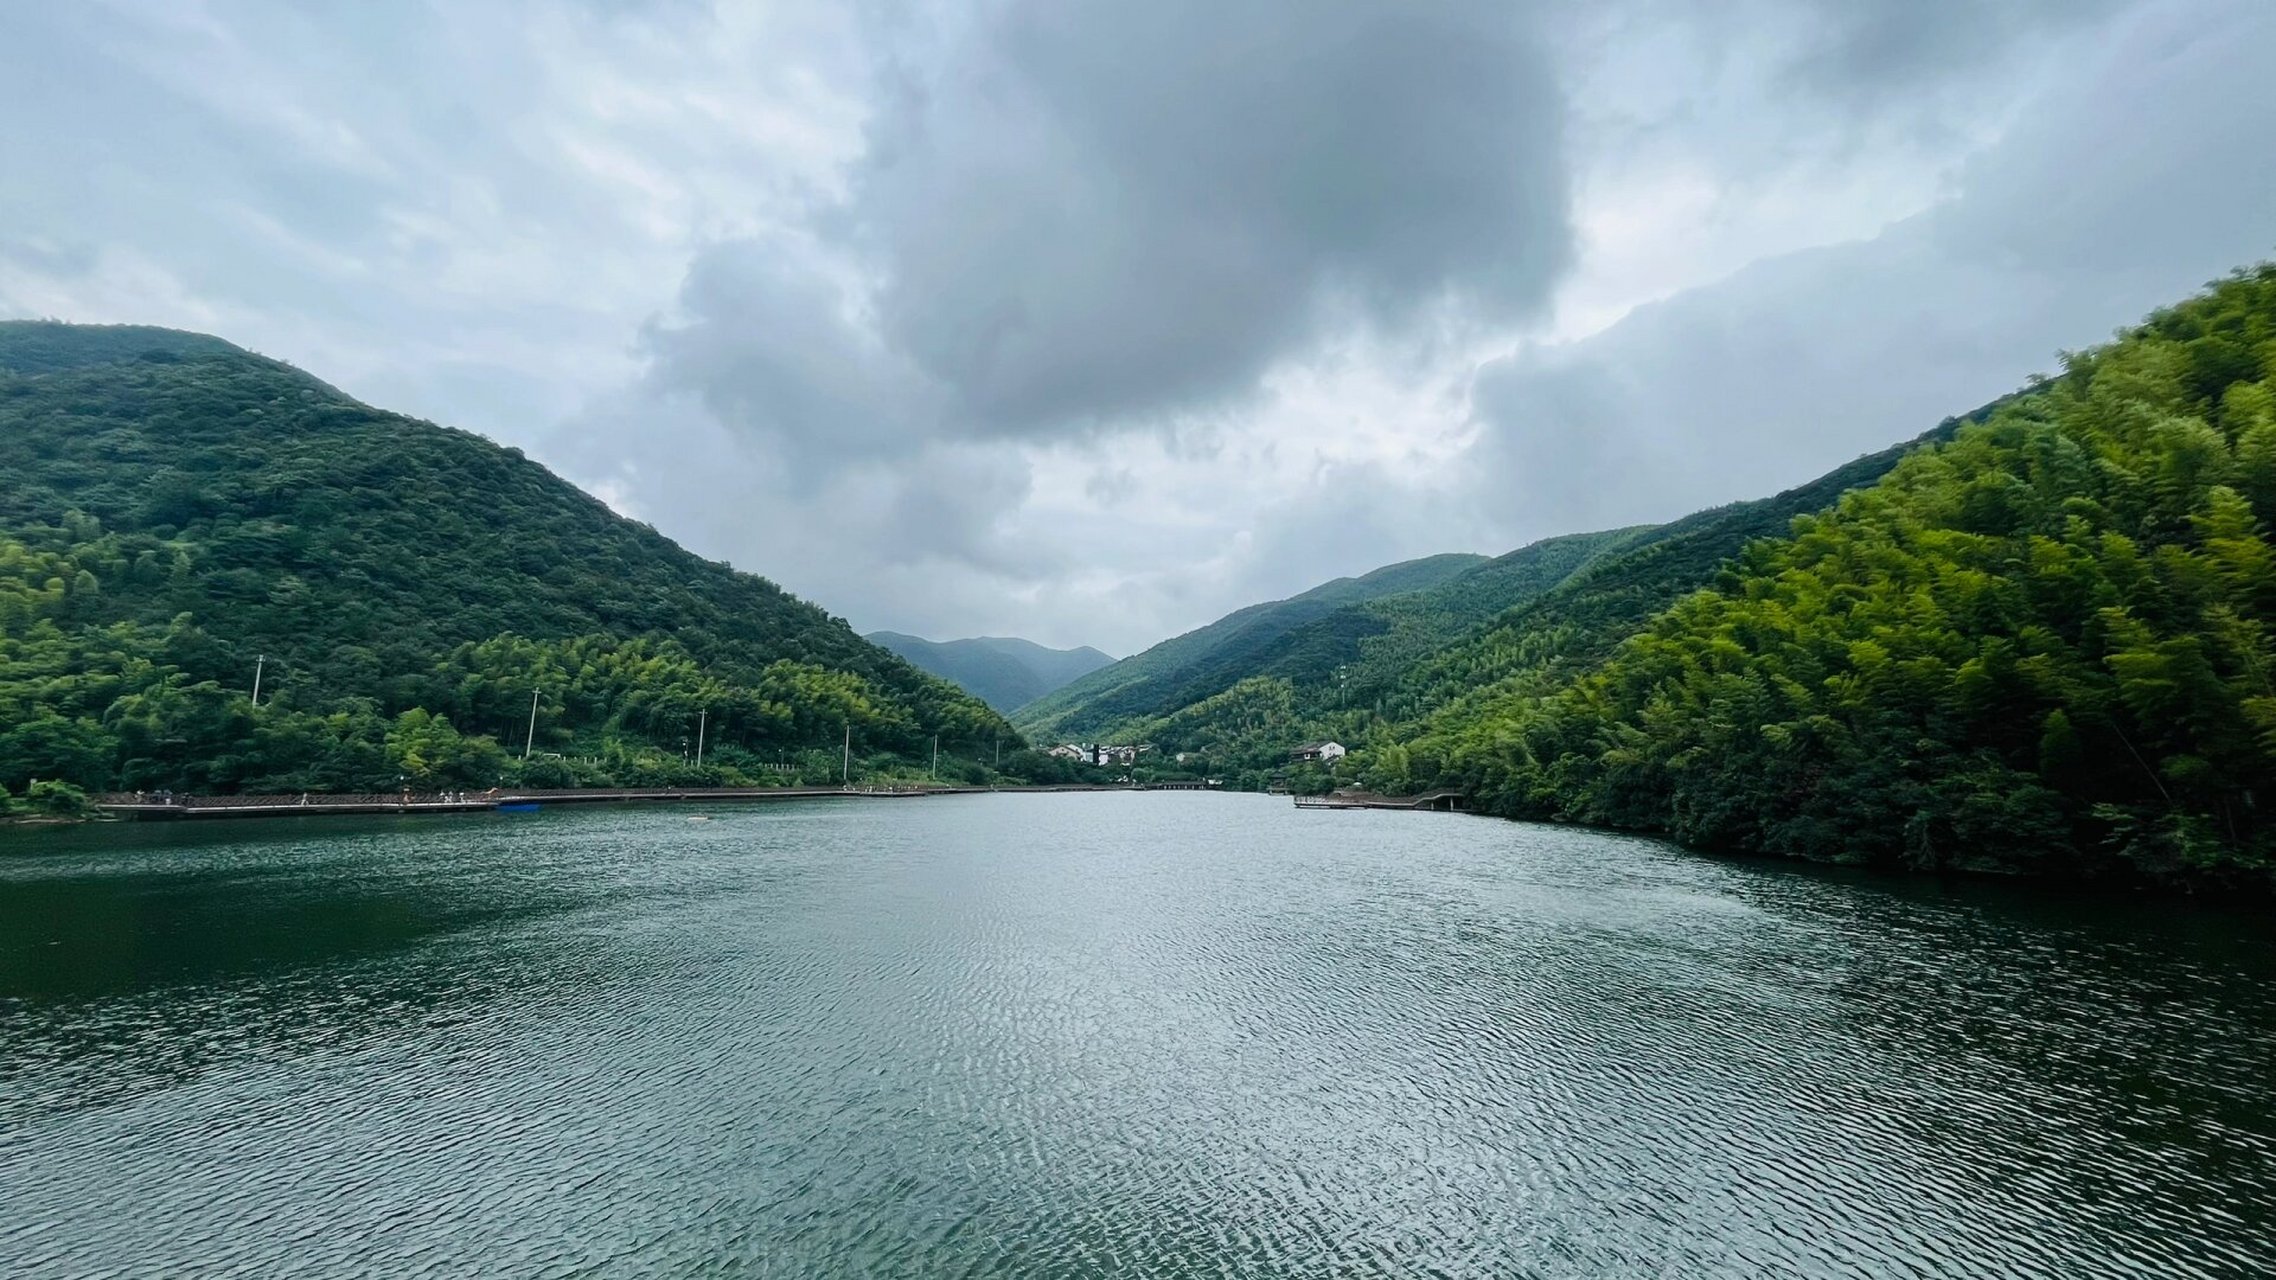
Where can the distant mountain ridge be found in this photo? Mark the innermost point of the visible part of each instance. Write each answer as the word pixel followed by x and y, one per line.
pixel 1150 683
pixel 1384 662
pixel 1005 672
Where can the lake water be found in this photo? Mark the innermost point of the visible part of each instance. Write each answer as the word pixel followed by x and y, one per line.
pixel 1086 1035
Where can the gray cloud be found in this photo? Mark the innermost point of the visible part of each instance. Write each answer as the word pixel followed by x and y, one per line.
pixel 459 210
pixel 68 260
pixel 2112 195
pixel 774 346
pixel 1108 209
pixel 1869 51
pixel 951 506
pixel 1068 218
pixel 1074 219
pixel 1088 213
pixel 1091 321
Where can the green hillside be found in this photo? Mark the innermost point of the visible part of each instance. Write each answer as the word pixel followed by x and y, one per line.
pixel 174 507
pixel 1366 673
pixel 2042 643
pixel 33 347
pixel 1581 619
pixel 1003 671
pixel 1357 655
pixel 1149 683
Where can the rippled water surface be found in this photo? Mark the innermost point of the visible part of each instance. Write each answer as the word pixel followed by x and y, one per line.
pixel 1082 1035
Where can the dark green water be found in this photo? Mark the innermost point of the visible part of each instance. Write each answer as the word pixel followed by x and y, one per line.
pixel 1085 1035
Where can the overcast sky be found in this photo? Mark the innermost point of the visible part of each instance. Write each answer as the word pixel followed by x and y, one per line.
pixel 1090 322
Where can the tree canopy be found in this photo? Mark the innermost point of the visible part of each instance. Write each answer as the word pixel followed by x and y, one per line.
pixel 178 511
pixel 2040 645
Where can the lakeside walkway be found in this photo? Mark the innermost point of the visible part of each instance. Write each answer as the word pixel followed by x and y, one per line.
pixel 163 806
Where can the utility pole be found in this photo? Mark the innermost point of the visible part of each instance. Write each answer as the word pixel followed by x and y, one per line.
pixel 531 740
pixel 933 774
pixel 845 758
pixel 259 661
pixel 703 717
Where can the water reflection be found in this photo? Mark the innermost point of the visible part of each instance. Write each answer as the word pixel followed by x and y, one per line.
pixel 1078 1035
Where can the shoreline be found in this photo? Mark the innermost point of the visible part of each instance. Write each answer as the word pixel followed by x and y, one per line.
pixel 133 807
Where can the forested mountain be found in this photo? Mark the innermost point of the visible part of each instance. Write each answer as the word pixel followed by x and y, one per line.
pixel 1581 619
pixel 1370 672
pixel 1003 671
pixel 2038 638
pixel 1147 683
pixel 173 508
pixel 2042 644
pixel 1322 675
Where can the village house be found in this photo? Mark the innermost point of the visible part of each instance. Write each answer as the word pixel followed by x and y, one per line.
pixel 1318 752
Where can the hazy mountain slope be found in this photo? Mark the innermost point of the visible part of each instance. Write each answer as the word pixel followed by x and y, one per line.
pixel 1057 666
pixel 219 506
pixel 1145 683
pixel 1003 671
pixel 1601 604
pixel 1349 654
pixel 1366 674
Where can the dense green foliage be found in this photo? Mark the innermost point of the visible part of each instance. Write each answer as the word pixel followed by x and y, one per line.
pixel 2042 645
pixel 174 508
pixel 1367 673
pixel 1158 680
pixel 1331 641
pixel 1003 671
pixel 33 347
pixel 1271 676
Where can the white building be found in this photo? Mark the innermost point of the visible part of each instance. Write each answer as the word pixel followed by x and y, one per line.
pixel 1319 752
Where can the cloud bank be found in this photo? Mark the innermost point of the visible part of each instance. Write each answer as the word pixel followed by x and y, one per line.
pixel 1090 322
